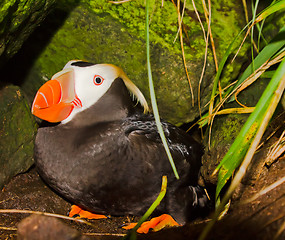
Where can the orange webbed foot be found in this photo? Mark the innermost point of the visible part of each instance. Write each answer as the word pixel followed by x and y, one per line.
pixel 75 210
pixel 155 224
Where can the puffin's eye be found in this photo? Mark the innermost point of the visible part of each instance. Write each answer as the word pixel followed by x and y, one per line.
pixel 98 80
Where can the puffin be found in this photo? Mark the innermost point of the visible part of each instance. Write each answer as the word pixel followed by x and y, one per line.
pixel 103 151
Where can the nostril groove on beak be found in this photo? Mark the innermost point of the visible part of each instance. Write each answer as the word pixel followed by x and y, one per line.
pixel 44 97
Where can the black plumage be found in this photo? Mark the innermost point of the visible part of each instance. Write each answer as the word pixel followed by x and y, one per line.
pixel 109 159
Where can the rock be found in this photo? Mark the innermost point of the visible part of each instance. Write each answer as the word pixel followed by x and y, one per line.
pixel 102 32
pixel 18 19
pixel 225 129
pixel 39 227
pixel 17 132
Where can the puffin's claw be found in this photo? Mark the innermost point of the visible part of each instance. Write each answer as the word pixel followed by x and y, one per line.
pixel 155 224
pixel 78 212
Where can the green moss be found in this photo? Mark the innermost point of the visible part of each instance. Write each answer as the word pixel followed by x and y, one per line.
pixel 163 23
pixel 4 11
pixel 4 8
pixel 226 24
pixel 226 129
pixel 102 32
pixel 17 132
pixel 98 38
pixel 90 38
pixel 22 13
pixel 14 12
pixel 18 19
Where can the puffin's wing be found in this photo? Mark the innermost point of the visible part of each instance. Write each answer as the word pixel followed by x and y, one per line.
pixel 179 142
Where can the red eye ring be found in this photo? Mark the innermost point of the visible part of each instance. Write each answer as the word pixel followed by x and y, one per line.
pixel 98 80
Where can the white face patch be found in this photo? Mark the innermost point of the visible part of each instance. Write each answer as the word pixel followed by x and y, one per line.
pixel 87 85
pixel 93 81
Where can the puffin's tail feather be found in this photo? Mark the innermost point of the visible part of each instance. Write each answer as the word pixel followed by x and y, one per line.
pixel 201 199
pixel 202 204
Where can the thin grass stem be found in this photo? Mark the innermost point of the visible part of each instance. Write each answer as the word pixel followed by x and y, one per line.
pixel 153 98
pixel 265 190
pixel 45 214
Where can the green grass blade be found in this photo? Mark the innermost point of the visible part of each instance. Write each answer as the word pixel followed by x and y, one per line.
pixel 275 44
pixel 279 77
pixel 254 10
pixel 132 233
pixel 268 11
pixel 153 98
pixel 277 6
pixel 267 52
pixel 237 151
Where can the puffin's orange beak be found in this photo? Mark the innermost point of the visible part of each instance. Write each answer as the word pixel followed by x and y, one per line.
pixel 54 101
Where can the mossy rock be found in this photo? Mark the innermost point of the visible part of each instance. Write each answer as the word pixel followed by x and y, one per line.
pixel 18 19
pixel 102 32
pixel 226 128
pixel 17 132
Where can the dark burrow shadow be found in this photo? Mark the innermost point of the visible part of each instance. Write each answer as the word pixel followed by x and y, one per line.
pixel 16 69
